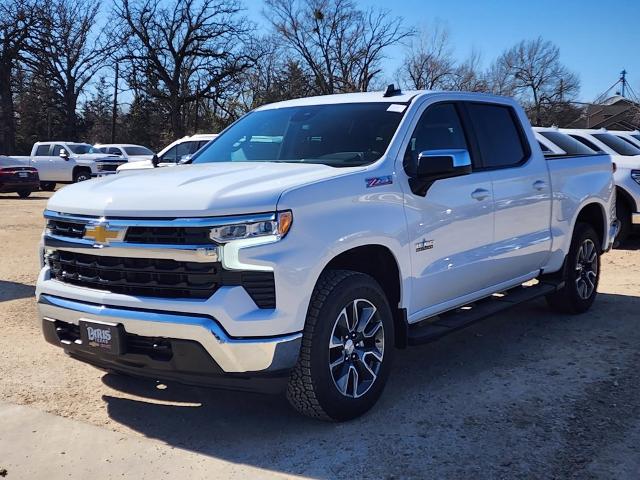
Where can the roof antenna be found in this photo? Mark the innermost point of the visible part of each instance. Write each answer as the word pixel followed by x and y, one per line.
pixel 391 91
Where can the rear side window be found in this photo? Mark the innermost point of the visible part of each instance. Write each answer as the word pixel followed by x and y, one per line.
pixel 588 143
pixel 499 135
pixel 42 150
pixel 617 144
pixel 439 128
pixel 569 144
pixel 544 148
pixel 637 137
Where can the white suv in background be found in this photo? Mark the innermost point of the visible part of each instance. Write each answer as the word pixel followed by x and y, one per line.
pixel 131 153
pixel 627 175
pixel 174 153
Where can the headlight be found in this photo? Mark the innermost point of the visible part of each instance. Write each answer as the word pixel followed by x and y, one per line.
pixel 277 228
pixel 635 174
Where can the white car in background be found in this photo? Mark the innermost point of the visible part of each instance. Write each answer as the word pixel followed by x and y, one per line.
pixel 174 153
pixel 131 153
pixel 627 175
pixel 632 137
pixel 554 143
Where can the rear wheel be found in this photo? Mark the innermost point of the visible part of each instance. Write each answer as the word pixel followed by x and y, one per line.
pixel 581 273
pixel 24 193
pixel 347 348
pixel 47 186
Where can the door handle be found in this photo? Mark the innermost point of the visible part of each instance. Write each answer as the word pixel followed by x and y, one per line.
pixel 540 185
pixel 480 194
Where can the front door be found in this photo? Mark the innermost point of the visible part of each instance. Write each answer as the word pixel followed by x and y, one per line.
pixel 451 227
pixel 63 168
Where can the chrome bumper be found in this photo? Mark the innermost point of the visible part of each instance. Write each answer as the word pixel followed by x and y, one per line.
pixel 233 355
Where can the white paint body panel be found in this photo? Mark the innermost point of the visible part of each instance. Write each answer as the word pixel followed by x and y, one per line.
pixel 480 247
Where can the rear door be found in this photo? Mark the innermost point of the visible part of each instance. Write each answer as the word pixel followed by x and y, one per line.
pixel 521 190
pixel 41 161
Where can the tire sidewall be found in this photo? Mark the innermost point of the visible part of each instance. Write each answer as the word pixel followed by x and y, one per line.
pixel 583 232
pixel 336 405
pixel 82 176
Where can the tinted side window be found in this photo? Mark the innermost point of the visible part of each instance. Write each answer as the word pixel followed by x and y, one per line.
pixel 186 148
pixel 439 128
pixel 499 135
pixel 570 145
pixel 114 151
pixel 56 150
pixel 169 156
pixel 42 150
pixel 544 148
pixel 586 142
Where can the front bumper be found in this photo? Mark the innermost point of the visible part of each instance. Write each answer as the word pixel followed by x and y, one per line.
pixel 229 356
pixel 14 186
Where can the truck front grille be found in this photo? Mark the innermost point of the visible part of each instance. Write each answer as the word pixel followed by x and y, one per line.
pixel 137 276
pixel 109 166
pixel 66 229
pixel 169 235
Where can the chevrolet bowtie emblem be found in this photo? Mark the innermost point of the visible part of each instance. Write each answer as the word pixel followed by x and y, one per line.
pixel 101 233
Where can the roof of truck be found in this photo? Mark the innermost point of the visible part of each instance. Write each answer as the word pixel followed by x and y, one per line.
pixel 360 97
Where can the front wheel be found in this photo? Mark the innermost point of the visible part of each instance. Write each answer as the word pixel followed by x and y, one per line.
pixel 47 186
pixel 81 176
pixel 581 273
pixel 347 348
pixel 24 193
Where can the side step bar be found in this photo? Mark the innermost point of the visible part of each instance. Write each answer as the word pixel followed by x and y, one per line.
pixel 433 328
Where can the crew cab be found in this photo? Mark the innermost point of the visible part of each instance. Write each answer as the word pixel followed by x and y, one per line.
pixel 68 162
pixel 176 153
pixel 626 157
pixel 129 152
pixel 316 236
pixel 15 177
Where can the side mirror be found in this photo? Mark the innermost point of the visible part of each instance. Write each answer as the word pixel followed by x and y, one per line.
pixel 155 160
pixel 439 164
pixel 63 154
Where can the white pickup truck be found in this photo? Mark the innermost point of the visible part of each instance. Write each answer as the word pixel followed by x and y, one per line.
pixel 316 236
pixel 626 158
pixel 69 162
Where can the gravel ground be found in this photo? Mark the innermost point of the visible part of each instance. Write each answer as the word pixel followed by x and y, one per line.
pixel 524 394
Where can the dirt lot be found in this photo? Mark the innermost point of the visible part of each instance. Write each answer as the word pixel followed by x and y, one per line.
pixel 525 394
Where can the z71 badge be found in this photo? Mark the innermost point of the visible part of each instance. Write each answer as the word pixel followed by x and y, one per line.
pixel 379 181
pixel 424 245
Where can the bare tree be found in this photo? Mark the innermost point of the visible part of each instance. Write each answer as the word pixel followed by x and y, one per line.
pixel 340 45
pixel 18 22
pixel 183 52
pixel 68 53
pixel 468 76
pixel 533 70
pixel 429 62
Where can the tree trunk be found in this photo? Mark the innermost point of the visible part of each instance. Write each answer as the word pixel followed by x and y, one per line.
pixel 7 114
pixel 177 123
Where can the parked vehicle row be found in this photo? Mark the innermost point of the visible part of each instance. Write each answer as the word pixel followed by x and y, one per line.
pixel 624 150
pixel 313 237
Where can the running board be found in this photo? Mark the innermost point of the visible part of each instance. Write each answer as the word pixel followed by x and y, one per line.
pixel 433 328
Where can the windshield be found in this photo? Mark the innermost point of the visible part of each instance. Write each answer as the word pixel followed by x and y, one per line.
pixel 637 137
pixel 82 148
pixel 570 145
pixel 343 135
pixel 138 151
pixel 617 144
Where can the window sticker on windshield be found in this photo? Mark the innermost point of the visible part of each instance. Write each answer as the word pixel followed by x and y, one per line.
pixel 396 107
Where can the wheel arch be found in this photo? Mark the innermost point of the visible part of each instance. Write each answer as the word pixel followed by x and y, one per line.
pixel 595 215
pixel 379 262
pixel 80 168
pixel 625 196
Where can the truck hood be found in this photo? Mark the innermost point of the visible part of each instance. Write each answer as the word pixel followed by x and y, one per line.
pixel 213 189
pixel 95 156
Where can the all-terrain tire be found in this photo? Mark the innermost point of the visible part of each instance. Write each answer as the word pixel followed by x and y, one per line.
pixel 569 299
pixel 81 175
pixel 312 389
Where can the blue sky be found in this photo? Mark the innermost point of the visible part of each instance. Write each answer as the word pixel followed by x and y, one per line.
pixel 597 39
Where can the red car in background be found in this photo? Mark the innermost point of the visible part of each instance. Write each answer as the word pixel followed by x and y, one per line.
pixel 18 178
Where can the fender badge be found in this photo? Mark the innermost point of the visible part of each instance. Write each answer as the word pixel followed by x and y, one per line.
pixel 424 245
pixel 379 181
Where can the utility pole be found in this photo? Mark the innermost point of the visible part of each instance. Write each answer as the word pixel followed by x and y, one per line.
pixel 623 82
pixel 114 112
